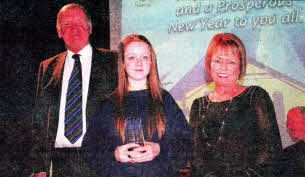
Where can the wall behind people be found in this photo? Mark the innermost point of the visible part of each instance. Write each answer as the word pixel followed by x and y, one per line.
pixel 180 31
pixel 28 36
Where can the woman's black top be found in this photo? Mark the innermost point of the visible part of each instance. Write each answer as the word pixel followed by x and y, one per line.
pixel 237 137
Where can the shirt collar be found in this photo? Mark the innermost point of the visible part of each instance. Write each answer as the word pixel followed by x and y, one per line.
pixel 86 52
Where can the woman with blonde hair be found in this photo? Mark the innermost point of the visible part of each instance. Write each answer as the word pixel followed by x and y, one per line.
pixel 234 127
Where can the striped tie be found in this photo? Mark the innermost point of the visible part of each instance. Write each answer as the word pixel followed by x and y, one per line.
pixel 73 110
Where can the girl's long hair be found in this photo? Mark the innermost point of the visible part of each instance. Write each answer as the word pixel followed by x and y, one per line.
pixel 156 119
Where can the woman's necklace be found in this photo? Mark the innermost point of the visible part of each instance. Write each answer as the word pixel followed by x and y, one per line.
pixel 220 134
pixel 206 106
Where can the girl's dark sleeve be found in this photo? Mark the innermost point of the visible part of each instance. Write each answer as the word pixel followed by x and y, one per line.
pixel 271 147
pixel 194 113
pixel 98 150
pixel 175 145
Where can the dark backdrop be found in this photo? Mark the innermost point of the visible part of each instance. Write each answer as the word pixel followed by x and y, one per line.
pixel 28 36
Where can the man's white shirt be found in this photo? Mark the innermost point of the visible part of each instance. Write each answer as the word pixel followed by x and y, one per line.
pixel 85 60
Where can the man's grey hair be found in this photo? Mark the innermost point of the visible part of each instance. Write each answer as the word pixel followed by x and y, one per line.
pixel 72 6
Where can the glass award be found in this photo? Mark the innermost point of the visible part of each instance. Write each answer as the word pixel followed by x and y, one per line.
pixel 134 130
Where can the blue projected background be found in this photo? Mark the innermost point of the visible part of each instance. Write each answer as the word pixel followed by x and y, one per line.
pixel 180 31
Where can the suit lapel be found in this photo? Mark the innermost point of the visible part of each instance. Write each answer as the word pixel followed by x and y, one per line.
pixel 57 77
pixel 96 79
pixel 55 93
pixel 101 76
pixel 58 69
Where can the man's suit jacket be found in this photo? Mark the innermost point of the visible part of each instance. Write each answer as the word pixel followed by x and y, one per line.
pixel 293 160
pixel 45 118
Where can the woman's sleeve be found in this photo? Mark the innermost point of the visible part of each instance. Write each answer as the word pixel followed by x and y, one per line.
pixel 175 144
pixel 98 150
pixel 271 146
pixel 196 159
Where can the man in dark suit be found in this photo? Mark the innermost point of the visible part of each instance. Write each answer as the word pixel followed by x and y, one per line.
pixel 294 156
pixel 55 149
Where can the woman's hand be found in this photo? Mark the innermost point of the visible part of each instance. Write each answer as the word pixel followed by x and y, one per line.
pixel 123 153
pixel 146 153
